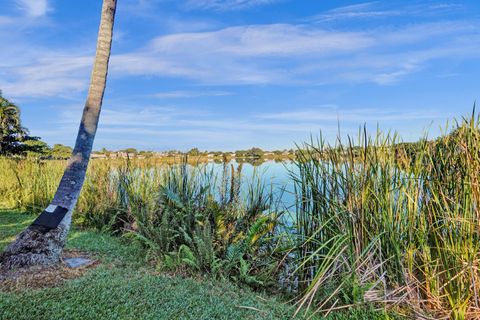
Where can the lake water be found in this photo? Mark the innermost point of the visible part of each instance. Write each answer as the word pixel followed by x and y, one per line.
pixel 272 173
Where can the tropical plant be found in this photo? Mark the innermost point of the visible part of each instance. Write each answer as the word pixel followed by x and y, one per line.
pixel 11 130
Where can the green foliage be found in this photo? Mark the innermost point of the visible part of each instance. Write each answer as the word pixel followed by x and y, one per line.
pixel 375 219
pixel 59 151
pixel 11 130
pixel 14 138
pixel 188 223
pixel 35 148
pixel 382 215
pixel 194 152
pixel 165 208
pixel 122 286
pixel 129 150
pixel 250 153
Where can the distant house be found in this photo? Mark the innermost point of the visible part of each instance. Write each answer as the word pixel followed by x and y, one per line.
pixel 98 156
pixel 160 154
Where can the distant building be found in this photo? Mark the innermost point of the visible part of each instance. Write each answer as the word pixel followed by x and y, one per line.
pixel 98 156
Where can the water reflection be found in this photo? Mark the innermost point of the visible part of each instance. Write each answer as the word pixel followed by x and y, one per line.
pixel 273 174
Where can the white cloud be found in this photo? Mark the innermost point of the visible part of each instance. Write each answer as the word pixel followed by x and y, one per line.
pixel 362 10
pixel 5 20
pixel 254 54
pixel 190 94
pixel 263 40
pixel 377 9
pixel 154 127
pixel 34 8
pixel 50 74
pixel 160 120
pixel 251 54
pixel 302 54
pixel 225 5
pixel 237 55
pixel 358 115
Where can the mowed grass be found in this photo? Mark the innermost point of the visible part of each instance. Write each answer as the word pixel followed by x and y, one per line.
pixel 123 286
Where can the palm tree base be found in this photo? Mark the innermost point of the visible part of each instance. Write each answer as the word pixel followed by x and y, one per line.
pixel 34 247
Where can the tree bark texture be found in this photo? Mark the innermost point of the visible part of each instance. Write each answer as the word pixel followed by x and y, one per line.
pixel 37 245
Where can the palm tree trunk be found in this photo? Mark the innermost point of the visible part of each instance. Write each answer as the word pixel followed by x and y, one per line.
pixel 42 243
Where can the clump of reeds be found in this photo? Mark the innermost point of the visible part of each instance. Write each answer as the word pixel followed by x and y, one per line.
pixel 28 184
pixel 378 222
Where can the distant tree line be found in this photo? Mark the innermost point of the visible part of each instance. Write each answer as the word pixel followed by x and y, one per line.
pixel 15 140
pixel 196 152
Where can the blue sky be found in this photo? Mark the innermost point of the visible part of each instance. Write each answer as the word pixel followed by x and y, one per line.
pixel 232 74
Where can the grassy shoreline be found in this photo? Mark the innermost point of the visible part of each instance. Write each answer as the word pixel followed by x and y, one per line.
pixel 123 286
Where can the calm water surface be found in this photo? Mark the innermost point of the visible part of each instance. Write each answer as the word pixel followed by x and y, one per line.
pixel 273 174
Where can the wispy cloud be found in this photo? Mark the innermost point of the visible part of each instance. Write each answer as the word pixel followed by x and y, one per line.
pixel 5 20
pixel 190 94
pixel 34 8
pixel 264 40
pixel 362 10
pixel 377 9
pixel 287 53
pixel 358 115
pixel 191 127
pixel 50 74
pixel 154 127
pixel 182 79
pixel 225 5
pixel 304 54
pixel 237 55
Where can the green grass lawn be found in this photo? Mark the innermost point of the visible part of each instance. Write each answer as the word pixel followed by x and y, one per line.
pixel 123 286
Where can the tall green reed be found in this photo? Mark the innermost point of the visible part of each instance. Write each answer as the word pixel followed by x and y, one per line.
pixel 374 223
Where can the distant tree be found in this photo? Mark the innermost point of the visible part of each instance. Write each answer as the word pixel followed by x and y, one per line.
pixel 59 151
pixel 255 153
pixel 11 131
pixel 194 152
pixel 240 153
pixel 250 153
pixel 130 150
pixel 33 147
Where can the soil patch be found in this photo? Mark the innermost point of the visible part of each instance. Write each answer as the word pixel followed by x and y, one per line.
pixel 45 277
